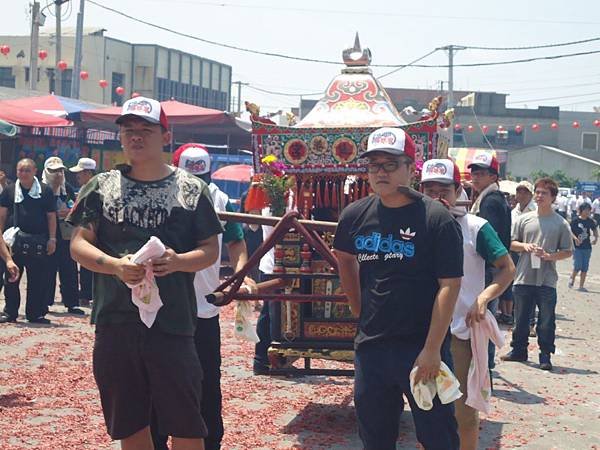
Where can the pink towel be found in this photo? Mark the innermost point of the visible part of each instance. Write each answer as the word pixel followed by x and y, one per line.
pixel 479 388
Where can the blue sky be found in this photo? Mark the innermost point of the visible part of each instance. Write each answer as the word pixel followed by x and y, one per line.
pixel 396 32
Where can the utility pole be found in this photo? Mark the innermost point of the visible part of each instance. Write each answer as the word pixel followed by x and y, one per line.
pixel 78 51
pixel 451 49
pixel 35 43
pixel 57 73
pixel 239 95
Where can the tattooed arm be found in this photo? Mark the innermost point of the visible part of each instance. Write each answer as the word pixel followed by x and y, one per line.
pixel 84 251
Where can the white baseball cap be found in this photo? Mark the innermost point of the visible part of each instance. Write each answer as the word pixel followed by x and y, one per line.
pixel 393 141
pixel 145 108
pixel 84 164
pixel 485 160
pixel 441 171
pixel 53 163
pixel 192 158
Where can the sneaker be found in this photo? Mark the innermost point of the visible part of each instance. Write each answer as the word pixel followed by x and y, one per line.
pixel 40 320
pixel 7 319
pixel 545 363
pixel 76 311
pixel 582 289
pixel 571 281
pixel 513 356
pixel 508 320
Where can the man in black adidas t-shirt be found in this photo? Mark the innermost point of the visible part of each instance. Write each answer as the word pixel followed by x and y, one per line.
pixel 400 259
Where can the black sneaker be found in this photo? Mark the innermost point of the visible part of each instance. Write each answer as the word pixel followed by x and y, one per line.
pixel 512 356
pixel 545 363
pixel 40 320
pixel 77 311
pixel 7 319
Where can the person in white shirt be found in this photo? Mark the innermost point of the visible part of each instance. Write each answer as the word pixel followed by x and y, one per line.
pixel 561 205
pixel 440 178
pixel 572 207
pixel 596 210
pixel 195 159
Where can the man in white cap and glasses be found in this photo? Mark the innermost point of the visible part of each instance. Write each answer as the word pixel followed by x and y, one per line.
pixel 400 258
pixel 141 368
pixel 440 178
pixel 195 159
pixel 84 171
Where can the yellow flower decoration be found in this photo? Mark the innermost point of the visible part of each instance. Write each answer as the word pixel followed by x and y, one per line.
pixel 269 159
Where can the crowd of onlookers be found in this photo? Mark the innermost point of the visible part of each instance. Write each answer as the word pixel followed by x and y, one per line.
pixel 32 219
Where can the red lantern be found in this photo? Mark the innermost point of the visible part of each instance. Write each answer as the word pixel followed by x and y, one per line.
pixel 103 83
pixel 518 128
pixel 500 128
pixel 485 128
pixel 5 50
pixel 135 94
pixel 458 127
pixel 575 124
pixel 43 54
pixel 554 125
pixel 84 75
pixel 535 127
pixel 470 128
pixel 597 123
pixel 120 90
pixel 62 65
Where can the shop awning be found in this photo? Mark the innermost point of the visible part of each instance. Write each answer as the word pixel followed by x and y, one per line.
pixel 27 118
pixel 52 105
pixel 465 156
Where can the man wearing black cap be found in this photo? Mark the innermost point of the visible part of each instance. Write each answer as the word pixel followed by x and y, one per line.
pixel 400 258
pixel 139 368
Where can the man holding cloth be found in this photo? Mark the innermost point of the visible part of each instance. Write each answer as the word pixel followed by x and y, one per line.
pixel 138 367
pixel 400 261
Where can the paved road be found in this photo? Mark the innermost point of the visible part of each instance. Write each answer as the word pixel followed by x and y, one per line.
pixel 48 398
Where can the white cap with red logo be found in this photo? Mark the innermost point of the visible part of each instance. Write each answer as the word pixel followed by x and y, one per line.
pixel 192 158
pixel 393 141
pixel 485 160
pixel 441 171
pixel 145 108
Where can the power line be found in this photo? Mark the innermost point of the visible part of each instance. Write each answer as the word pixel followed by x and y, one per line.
pixel 364 13
pixel 551 98
pixel 410 64
pixel 321 61
pixel 284 94
pixel 534 47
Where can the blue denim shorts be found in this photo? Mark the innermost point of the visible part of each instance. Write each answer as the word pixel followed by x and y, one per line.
pixel 581 259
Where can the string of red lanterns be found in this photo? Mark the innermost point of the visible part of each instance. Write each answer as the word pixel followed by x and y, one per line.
pixel 458 127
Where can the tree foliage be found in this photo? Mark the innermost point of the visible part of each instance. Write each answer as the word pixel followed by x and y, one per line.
pixel 559 176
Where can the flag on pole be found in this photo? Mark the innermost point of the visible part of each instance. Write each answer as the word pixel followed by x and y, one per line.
pixel 467 100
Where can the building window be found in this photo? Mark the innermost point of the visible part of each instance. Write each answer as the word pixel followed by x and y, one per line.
pixel 7 79
pixel 589 141
pixel 118 79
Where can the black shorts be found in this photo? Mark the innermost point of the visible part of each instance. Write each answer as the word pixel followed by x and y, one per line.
pixel 136 369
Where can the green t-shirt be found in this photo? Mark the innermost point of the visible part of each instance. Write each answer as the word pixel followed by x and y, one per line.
pixel 489 246
pixel 233 230
pixel 126 213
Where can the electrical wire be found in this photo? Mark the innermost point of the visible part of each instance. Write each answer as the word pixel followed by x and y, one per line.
pixel 321 61
pixel 533 47
pixel 284 94
pixel 551 98
pixel 408 65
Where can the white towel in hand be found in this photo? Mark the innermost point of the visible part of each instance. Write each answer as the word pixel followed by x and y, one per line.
pixel 145 295
pixel 445 385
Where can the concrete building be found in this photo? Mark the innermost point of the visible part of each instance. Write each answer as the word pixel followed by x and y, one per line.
pixel 522 162
pixel 148 69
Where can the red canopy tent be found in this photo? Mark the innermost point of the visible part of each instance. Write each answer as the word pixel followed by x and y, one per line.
pixel 27 118
pixel 178 114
